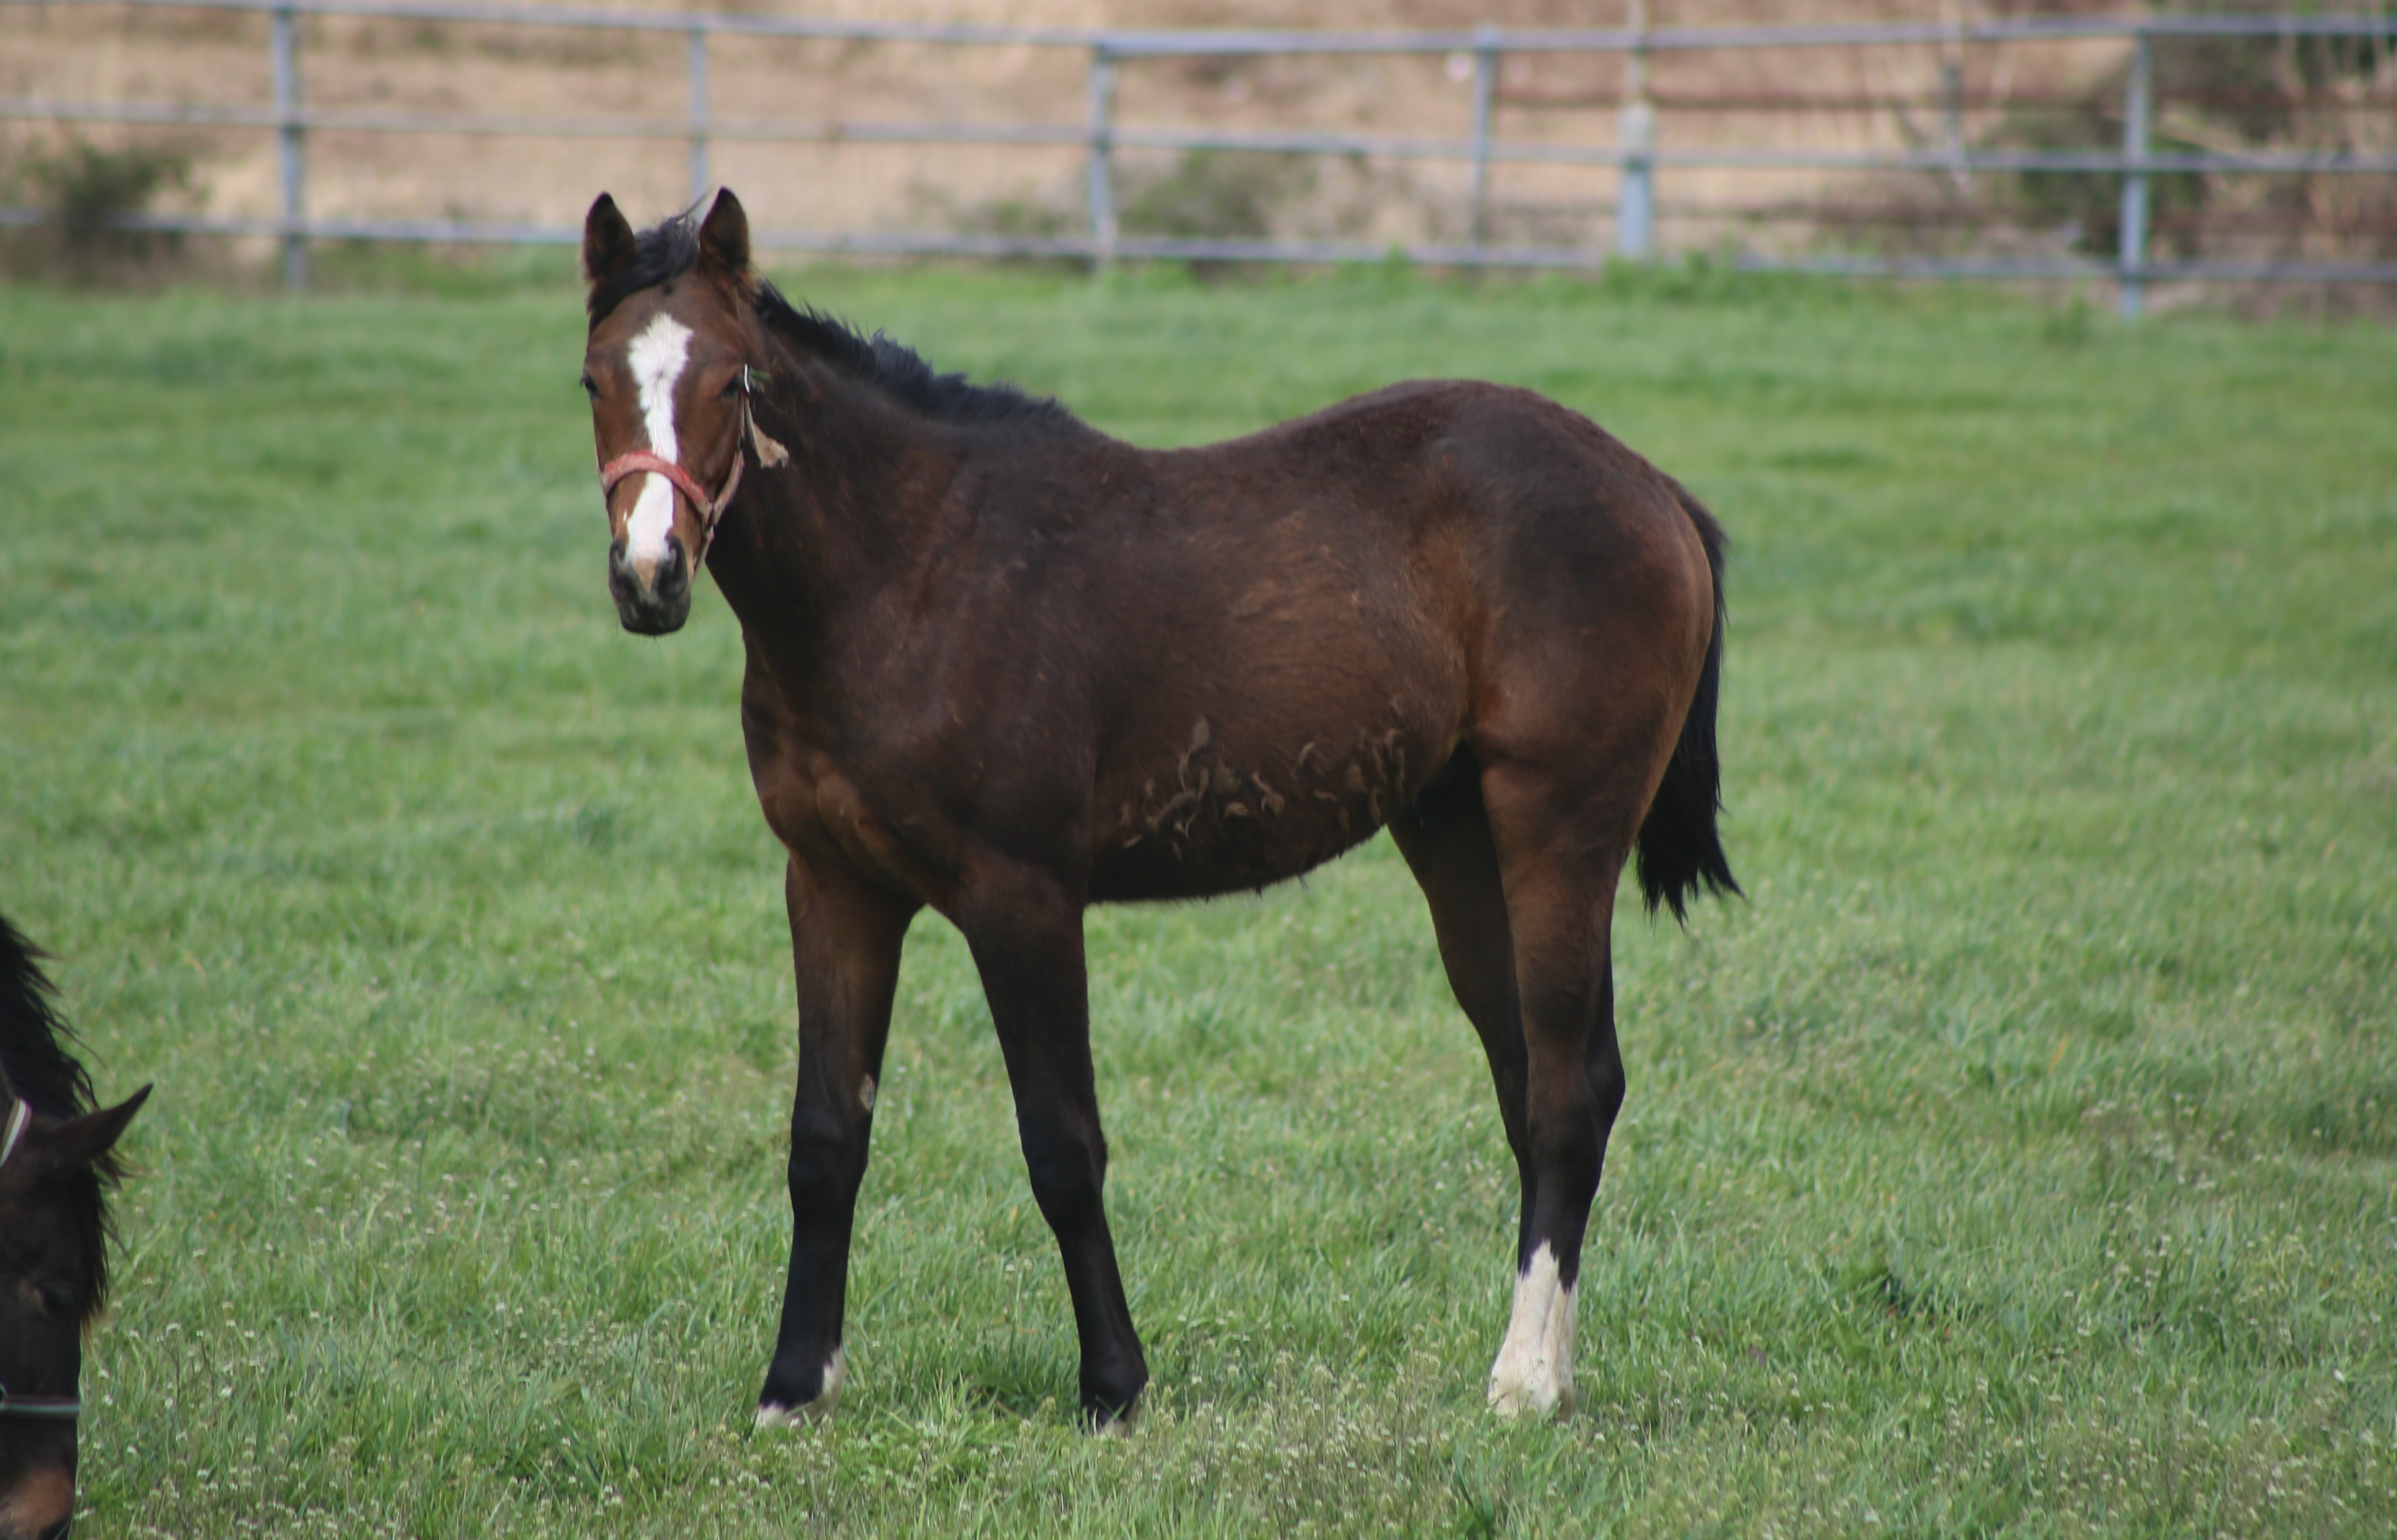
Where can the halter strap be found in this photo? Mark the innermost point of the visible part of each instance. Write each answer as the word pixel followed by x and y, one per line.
pixel 711 509
pixel 18 1118
pixel 638 460
pixel 61 1408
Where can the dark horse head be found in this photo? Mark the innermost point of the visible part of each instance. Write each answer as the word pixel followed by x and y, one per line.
pixel 668 372
pixel 56 1165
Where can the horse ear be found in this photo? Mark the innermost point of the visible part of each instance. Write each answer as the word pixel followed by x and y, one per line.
pixel 607 241
pixel 80 1141
pixel 724 237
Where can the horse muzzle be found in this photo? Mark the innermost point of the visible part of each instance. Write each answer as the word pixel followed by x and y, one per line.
pixel 39 1504
pixel 652 596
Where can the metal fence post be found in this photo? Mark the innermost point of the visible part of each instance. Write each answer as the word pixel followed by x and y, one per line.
pixel 1485 90
pixel 2136 107
pixel 698 50
pixel 1102 171
pixel 1951 92
pixel 1635 135
pixel 291 150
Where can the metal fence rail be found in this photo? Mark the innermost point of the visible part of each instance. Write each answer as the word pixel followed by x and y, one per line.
pixel 1634 153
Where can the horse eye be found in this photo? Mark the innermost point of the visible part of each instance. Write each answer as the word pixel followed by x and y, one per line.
pixel 58 1300
pixel 732 389
pixel 590 386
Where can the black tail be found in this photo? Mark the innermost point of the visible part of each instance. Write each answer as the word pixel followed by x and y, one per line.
pixel 1679 849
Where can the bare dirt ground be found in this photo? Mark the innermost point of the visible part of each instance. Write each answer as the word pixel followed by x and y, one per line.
pixel 108 53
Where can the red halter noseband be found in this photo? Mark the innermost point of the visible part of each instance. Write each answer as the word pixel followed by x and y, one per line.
pixel 710 509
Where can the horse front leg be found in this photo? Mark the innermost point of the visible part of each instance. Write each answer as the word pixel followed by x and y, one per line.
pixel 845 941
pixel 1024 928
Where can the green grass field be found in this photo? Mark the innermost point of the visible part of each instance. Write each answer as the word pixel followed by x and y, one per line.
pixel 2020 1159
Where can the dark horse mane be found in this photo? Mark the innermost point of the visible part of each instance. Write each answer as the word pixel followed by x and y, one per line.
pixel 669 249
pixel 34 1058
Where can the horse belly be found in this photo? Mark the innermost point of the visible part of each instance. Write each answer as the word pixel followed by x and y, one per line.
pixel 1215 861
pixel 1216 819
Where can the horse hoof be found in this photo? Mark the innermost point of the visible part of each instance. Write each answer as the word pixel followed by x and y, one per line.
pixel 777 1414
pixel 1538 1396
pixel 1104 1424
pixel 1534 1368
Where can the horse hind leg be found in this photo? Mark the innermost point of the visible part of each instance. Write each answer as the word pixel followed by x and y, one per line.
pixel 1573 1088
pixel 1559 866
pixel 1523 935
pixel 1447 840
pixel 1534 1368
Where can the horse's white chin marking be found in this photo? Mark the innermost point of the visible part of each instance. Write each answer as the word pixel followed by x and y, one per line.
pixel 835 1371
pixel 657 357
pixel 1534 1368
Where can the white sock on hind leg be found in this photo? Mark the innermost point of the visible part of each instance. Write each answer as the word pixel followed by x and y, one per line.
pixel 1534 1368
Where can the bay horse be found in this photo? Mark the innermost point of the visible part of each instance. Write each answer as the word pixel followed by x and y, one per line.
pixel 56 1163
pixel 1004 666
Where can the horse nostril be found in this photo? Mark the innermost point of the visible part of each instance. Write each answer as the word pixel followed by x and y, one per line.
pixel 616 556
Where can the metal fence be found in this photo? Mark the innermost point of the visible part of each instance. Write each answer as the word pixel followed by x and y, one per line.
pixel 1636 155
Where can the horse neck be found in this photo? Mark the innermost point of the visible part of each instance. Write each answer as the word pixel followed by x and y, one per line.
pixel 818 539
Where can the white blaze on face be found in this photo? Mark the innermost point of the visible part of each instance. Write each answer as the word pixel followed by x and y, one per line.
pixel 657 357
pixel 1534 1368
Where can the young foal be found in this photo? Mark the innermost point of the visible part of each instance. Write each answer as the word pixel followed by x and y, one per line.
pixel 1005 666
pixel 54 1166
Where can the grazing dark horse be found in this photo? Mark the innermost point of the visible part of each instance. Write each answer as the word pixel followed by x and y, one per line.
pixel 56 1165
pixel 1005 666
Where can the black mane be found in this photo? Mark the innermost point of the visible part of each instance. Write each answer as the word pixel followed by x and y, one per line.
pixel 34 1058
pixel 669 249
pixel 32 1040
